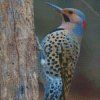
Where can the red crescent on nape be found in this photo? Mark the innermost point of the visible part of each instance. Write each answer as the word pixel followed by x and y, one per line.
pixel 84 24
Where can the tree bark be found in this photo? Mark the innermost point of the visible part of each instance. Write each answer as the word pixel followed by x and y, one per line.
pixel 18 71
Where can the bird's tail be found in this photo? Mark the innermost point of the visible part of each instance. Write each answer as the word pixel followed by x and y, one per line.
pixel 64 94
pixel 66 80
pixel 66 74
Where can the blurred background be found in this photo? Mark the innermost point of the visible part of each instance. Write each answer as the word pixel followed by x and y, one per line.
pixel 86 81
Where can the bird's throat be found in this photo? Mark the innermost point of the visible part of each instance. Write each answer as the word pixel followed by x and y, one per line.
pixel 67 26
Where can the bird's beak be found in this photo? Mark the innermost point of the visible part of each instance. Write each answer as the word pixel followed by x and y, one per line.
pixel 58 9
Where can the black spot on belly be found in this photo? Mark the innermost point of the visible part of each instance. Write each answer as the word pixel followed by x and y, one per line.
pixel 51 67
pixel 57 66
pixel 67 46
pixel 70 45
pixel 49 44
pixel 59 40
pixel 47 72
pixel 48 60
pixel 50 49
pixel 57 33
pixel 52 42
pixel 56 83
pixel 56 74
pixel 55 62
pixel 55 45
pixel 66 43
pixel 50 57
pixel 62 33
pixel 74 41
pixel 77 52
pixel 76 47
pixel 57 37
pixel 53 37
pixel 51 73
pixel 53 59
pixel 59 69
pixel 52 87
pixel 54 69
pixel 58 43
pixel 56 96
pixel 74 62
pixel 56 56
pixel 53 54
pixel 51 91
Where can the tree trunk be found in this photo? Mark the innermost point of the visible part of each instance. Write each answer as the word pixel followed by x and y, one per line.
pixel 18 71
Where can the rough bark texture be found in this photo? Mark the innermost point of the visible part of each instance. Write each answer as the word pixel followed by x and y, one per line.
pixel 18 71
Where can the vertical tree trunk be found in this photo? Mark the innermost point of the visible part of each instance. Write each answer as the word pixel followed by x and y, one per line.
pixel 18 71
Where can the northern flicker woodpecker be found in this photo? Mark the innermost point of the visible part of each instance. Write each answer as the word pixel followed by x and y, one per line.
pixel 60 52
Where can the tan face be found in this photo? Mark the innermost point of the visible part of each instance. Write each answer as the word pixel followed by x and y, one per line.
pixel 72 15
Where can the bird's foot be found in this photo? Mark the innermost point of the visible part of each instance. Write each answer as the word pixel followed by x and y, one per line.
pixel 38 45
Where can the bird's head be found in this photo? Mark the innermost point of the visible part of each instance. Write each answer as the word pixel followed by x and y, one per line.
pixel 70 15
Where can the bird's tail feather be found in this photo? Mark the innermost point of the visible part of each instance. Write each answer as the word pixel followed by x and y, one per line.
pixel 66 74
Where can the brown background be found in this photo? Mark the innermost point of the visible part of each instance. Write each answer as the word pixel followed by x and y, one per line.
pixel 86 81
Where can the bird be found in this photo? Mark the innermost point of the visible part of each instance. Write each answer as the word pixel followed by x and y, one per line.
pixel 59 53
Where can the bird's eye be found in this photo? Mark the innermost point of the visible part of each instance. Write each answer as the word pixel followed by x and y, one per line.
pixel 70 12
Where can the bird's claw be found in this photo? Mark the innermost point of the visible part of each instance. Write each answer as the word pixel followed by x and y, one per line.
pixel 38 46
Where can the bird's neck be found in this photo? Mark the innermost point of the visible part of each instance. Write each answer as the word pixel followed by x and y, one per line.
pixel 76 29
pixel 67 26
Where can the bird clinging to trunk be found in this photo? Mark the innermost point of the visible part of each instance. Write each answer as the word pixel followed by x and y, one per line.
pixel 60 53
